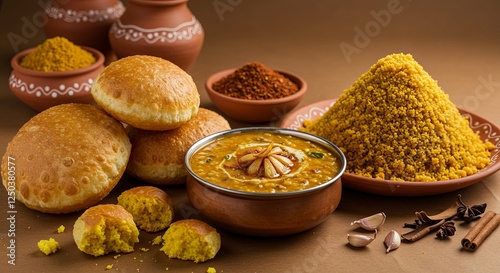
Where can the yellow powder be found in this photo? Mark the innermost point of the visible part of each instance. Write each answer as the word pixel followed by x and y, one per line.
pixel 48 246
pixel 396 123
pixel 57 54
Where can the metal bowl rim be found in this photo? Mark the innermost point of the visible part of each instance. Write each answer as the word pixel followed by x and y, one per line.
pixel 303 135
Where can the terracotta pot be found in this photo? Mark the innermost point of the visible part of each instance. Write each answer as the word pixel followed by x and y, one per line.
pixel 84 22
pixel 162 28
pixel 41 90
pixel 264 214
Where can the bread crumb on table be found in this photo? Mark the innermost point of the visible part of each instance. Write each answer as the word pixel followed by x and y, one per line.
pixel 157 240
pixel 211 270
pixel 61 229
pixel 48 246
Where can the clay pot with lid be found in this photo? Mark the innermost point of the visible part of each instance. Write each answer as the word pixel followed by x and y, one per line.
pixel 84 22
pixel 162 28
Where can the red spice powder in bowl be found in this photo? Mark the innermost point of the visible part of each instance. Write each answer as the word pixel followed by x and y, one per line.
pixel 255 93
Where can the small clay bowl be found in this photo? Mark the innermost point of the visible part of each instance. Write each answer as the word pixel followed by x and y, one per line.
pixel 41 90
pixel 261 213
pixel 255 111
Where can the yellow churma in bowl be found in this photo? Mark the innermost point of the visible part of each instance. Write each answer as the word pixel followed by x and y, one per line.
pixel 396 123
pixel 57 54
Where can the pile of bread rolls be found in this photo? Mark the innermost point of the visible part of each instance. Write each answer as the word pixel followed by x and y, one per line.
pixel 69 157
pixel 159 102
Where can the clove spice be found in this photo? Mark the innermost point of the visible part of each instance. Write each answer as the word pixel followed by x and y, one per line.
pixel 469 213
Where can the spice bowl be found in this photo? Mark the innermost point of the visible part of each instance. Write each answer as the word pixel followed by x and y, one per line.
pixel 262 213
pixel 255 111
pixel 41 90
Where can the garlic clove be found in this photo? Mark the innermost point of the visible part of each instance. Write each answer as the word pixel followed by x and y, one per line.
pixel 247 158
pixel 360 240
pixel 269 169
pixel 280 167
pixel 372 222
pixel 266 151
pixel 275 150
pixel 286 161
pixel 254 167
pixel 392 240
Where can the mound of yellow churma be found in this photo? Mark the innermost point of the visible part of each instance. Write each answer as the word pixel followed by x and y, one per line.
pixel 57 54
pixel 396 123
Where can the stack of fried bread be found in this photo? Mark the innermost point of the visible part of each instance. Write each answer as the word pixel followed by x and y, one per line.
pixel 160 104
pixel 69 157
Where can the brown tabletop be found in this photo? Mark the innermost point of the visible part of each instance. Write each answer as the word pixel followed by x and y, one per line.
pixel 457 42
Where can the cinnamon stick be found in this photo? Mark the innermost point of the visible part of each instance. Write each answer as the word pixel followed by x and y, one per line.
pixel 446 214
pixel 422 230
pixel 484 227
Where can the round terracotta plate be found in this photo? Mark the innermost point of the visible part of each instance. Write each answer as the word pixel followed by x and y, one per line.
pixel 486 130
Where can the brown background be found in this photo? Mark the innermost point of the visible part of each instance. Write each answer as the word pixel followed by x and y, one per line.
pixel 457 42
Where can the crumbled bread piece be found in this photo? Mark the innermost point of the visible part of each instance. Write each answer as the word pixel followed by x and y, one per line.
pixel 48 246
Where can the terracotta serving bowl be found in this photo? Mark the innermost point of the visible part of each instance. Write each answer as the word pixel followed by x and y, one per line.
pixel 259 213
pixel 255 111
pixel 41 90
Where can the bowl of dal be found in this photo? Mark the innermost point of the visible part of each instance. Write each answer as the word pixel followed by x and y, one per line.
pixel 264 181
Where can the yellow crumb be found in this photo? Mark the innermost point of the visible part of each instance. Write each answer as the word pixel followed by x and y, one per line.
pixel 211 270
pixel 116 256
pixel 109 266
pixel 48 246
pixel 143 249
pixel 61 229
pixel 157 240
pixel 396 123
